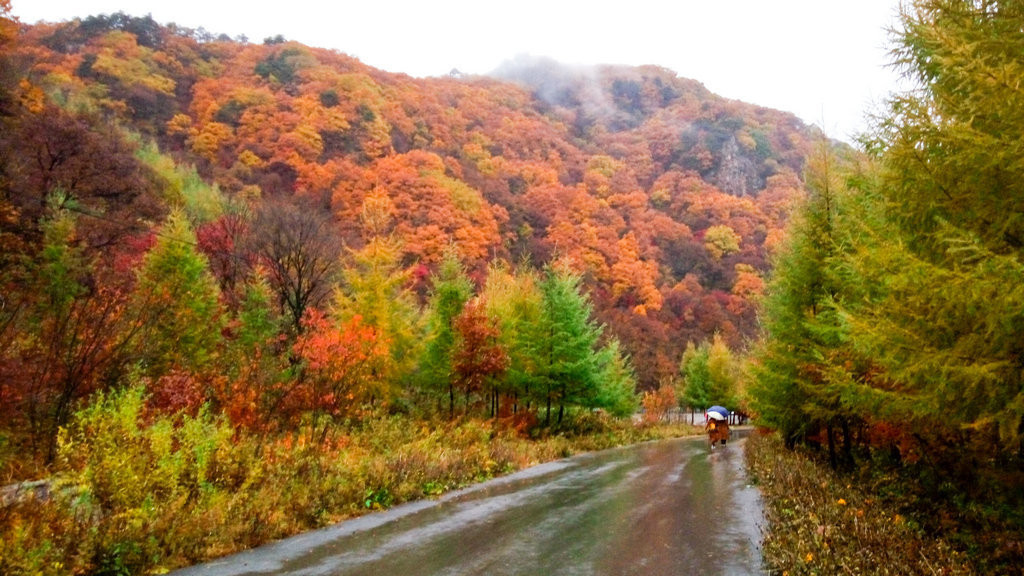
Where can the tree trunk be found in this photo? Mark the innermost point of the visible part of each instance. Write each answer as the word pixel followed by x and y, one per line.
pixel 831 446
pixel 847 443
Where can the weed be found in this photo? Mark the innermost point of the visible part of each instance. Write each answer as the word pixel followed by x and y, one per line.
pixel 148 492
pixel 821 523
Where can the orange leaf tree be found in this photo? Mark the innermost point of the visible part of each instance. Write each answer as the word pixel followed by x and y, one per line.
pixel 338 376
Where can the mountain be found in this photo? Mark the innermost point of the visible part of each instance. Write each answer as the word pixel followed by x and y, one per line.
pixel 667 198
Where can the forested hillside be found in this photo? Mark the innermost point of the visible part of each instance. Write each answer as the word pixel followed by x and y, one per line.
pixel 266 278
pixel 282 165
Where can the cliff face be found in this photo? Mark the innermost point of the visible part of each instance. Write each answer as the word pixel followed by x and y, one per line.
pixel 737 173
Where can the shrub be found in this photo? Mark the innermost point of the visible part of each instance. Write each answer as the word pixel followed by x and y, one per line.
pixel 143 491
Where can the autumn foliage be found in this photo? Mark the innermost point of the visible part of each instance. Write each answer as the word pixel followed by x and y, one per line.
pixel 324 181
pixel 339 376
pixel 277 242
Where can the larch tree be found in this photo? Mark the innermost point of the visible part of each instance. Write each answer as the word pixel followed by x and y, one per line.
pixel 450 289
pixel 946 321
pixel 375 287
pixel 792 391
pixel 724 371
pixel 568 338
pixel 254 371
pixel 695 377
pixel 178 299
pixel 616 390
pixel 710 374
pixel 514 298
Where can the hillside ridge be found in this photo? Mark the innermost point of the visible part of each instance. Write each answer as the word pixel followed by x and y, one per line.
pixel 666 198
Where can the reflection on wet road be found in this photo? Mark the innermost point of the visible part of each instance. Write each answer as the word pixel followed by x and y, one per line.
pixel 664 508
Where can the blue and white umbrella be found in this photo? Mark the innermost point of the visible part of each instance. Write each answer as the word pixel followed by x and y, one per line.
pixel 718 413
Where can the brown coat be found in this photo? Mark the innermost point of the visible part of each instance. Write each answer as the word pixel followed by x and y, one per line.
pixel 717 430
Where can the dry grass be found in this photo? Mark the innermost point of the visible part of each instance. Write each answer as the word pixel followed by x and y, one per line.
pixel 820 523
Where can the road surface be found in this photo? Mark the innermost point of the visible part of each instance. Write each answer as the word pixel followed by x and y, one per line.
pixel 661 508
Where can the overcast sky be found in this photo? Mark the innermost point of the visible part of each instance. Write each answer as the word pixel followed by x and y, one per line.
pixel 824 60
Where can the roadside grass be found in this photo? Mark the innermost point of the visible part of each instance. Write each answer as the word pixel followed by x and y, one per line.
pixel 141 493
pixel 819 522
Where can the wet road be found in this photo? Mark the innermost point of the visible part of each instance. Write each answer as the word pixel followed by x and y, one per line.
pixel 664 508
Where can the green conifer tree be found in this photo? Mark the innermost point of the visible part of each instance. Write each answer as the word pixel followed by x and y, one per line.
pixel 945 321
pixel 696 377
pixel 451 288
pixel 375 288
pixel 178 298
pixel 567 364
pixel 514 298
pixel 616 391
pixel 792 389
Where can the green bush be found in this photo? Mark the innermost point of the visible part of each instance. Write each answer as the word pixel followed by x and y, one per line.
pixel 141 491
pixel 149 477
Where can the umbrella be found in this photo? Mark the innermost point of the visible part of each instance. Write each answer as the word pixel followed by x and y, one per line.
pixel 719 411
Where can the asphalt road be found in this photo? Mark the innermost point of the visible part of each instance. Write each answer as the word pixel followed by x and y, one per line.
pixel 663 508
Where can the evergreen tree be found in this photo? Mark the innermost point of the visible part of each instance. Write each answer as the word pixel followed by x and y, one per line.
pixel 616 391
pixel 375 288
pixel 723 372
pixel 258 324
pixel 450 290
pixel 514 298
pixel 179 300
pixel 710 375
pixel 696 377
pixel 945 321
pixel 792 389
pixel 254 368
pixel 567 363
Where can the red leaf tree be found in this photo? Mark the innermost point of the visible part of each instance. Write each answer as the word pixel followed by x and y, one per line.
pixel 479 357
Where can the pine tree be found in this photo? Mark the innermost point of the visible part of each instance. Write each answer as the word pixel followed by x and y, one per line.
pixel 178 298
pixel 946 321
pixel 450 290
pixel 567 364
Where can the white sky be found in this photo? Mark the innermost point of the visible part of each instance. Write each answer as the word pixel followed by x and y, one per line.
pixel 824 60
